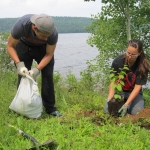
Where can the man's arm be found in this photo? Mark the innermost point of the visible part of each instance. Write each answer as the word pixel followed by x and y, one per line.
pixel 11 48
pixel 47 58
pixel 22 70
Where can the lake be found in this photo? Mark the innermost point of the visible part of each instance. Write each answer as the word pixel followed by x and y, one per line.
pixel 72 53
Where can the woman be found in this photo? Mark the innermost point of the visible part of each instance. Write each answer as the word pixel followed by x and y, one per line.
pixel 137 74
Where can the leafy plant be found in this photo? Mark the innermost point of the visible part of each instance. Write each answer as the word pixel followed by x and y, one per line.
pixel 117 78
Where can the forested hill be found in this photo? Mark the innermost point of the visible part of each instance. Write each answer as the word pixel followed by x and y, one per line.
pixel 63 24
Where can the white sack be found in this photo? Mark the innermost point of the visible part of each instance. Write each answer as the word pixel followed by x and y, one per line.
pixel 27 101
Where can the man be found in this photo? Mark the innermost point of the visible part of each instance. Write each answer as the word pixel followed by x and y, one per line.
pixel 35 37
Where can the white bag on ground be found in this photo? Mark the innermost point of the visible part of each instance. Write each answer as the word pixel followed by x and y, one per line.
pixel 27 101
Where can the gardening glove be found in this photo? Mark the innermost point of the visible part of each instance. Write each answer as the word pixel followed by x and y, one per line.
pixel 22 70
pixel 34 73
pixel 107 103
pixel 123 110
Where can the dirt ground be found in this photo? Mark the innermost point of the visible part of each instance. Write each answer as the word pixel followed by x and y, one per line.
pixel 143 114
pixel 143 117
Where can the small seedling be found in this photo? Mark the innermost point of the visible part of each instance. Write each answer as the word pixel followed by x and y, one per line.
pixel 117 78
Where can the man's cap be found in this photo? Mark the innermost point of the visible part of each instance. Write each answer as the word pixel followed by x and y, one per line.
pixel 44 23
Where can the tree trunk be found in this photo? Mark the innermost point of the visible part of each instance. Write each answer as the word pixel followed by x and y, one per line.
pixel 128 23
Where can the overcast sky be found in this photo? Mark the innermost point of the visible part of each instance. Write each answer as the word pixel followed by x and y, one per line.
pixel 74 8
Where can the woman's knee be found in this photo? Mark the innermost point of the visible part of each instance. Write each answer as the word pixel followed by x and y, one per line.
pixel 135 110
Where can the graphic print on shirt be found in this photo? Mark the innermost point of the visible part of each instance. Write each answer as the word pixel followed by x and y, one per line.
pixel 129 81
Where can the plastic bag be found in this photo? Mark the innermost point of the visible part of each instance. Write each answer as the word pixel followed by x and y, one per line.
pixel 27 101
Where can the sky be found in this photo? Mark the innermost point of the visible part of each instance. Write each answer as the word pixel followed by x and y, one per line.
pixel 70 8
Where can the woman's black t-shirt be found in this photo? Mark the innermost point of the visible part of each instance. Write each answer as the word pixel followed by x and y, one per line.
pixel 132 75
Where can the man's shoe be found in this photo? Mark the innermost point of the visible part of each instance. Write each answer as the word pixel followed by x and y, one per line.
pixel 56 113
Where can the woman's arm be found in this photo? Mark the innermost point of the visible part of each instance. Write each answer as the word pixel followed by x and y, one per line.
pixel 111 91
pixel 133 94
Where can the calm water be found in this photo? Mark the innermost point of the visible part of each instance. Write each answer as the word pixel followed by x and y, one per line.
pixel 72 53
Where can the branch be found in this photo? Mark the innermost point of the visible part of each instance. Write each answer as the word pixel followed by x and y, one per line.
pixel 122 9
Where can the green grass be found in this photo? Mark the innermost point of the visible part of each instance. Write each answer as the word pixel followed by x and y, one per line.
pixel 74 131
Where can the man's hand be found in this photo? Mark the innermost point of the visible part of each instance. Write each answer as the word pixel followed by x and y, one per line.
pixel 34 73
pixel 22 70
pixel 123 110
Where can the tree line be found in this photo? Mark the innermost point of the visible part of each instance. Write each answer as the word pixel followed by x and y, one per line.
pixel 63 24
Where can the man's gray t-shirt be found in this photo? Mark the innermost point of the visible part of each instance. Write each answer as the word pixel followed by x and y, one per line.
pixel 22 29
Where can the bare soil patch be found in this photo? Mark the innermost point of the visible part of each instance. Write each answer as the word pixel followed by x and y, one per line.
pixel 143 117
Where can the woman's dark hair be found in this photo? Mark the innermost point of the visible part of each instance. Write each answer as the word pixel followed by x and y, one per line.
pixel 144 64
pixel 136 44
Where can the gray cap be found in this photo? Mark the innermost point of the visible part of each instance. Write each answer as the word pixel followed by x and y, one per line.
pixel 43 22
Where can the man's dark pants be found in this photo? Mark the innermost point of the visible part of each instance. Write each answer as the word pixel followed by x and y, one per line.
pixel 26 54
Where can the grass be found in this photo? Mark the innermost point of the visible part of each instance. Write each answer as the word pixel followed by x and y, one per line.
pixel 75 130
